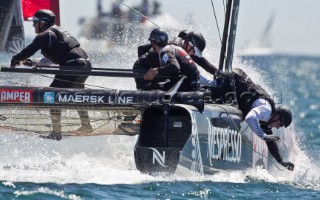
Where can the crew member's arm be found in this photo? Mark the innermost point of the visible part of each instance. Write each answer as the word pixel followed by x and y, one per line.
pixel 205 64
pixel 143 49
pixel 274 151
pixel 41 41
pixel 169 66
pixel 258 113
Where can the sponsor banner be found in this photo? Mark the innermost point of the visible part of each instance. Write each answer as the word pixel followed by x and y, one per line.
pixel 224 144
pixel 16 96
pixel 93 98
pixel 49 97
pixel 259 152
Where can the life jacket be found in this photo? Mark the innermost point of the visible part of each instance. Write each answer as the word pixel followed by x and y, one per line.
pixel 176 41
pixel 187 66
pixel 58 52
pixel 247 92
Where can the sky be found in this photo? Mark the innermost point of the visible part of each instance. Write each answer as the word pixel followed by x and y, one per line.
pixel 296 27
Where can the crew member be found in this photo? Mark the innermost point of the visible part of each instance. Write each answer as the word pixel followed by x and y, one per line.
pixel 173 60
pixel 193 43
pixel 59 47
pixel 259 111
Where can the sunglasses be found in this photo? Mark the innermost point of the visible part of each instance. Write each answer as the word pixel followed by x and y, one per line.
pixel 281 122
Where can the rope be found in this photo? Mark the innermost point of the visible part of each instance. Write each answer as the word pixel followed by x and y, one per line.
pixel 139 13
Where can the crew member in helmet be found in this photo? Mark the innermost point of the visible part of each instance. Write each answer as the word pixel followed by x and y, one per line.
pixel 58 47
pixel 173 60
pixel 193 43
pixel 259 111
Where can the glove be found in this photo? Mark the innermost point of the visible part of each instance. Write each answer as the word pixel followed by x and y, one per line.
pixel 220 78
pixel 29 62
pixel 219 73
pixel 220 81
pixel 272 138
pixel 288 165
pixel 14 62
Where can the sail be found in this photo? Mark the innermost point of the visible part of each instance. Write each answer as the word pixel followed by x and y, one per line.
pixel 29 7
pixel 11 27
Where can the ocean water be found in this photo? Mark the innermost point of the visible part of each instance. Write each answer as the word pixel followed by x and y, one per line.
pixel 102 167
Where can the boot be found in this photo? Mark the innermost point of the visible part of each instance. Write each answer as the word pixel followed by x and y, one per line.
pixel 85 128
pixel 53 135
pixel 85 122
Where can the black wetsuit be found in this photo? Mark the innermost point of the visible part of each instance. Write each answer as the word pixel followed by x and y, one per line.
pixel 174 61
pixel 201 61
pixel 248 92
pixel 61 48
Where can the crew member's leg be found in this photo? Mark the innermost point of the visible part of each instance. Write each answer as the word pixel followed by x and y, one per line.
pixel 55 114
pixel 78 82
pixel 56 124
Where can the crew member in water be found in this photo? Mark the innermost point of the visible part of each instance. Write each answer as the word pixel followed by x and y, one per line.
pixel 169 60
pixel 259 110
pixel 58 47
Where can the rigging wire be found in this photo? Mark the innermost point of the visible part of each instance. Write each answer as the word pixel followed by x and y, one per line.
pixel 139 13
pixel 215 16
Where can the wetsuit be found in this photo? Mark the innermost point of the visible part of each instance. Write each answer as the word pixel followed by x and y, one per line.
pixel 58 46
pixel 172 60
pixel 61 48
pixel 257 106
pixel 201 61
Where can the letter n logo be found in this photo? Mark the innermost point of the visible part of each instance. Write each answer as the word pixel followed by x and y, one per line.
pixel 156 156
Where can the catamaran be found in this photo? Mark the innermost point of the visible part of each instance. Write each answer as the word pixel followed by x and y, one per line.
pixel 186 129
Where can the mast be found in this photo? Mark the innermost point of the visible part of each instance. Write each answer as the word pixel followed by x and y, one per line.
pixel 229 35
pixel 225 35
pixel 232 35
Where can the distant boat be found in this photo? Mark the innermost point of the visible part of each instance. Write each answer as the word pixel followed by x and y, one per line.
pixel 262 45
pixel 108 31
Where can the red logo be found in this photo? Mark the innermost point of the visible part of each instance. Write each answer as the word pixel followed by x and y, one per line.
pixel 183 53
pixel 17 96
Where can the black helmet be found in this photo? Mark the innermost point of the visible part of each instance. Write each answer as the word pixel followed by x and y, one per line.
pixel 44 15
pixel 183 34
pixel 159 37
pixel 285 115
pixel 197 40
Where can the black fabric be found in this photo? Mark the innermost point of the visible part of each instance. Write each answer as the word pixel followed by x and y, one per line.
pixel 274 150
pixel 143 49
pixel 70 81
pixel 247 92
pixel 144 63
pixel 59 48
pixel 265 128
pixel 177 41
pixel 174 61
